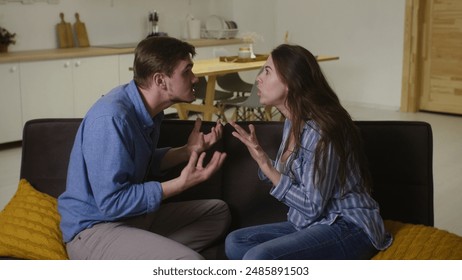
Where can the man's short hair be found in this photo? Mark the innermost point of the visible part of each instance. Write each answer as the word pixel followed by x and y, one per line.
pixel 159 55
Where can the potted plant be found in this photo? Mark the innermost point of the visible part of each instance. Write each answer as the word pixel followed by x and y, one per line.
pixel 6 38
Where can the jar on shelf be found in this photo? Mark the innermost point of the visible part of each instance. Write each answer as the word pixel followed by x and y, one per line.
pixel 244 52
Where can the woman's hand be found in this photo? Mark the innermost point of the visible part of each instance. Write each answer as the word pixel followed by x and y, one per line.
pixel 250 140
pixel 198 142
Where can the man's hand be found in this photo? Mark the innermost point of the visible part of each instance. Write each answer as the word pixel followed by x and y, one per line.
pixel 194 173
pixel 198 142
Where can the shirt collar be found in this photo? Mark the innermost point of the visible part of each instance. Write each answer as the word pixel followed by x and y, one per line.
pixel 142 114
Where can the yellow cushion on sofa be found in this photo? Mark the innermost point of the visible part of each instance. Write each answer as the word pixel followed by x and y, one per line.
pixel 419 242
pixel 29 226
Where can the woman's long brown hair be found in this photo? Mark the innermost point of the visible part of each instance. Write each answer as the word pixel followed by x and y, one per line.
pixel 310 97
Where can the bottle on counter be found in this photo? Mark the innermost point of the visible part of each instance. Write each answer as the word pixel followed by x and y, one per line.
pixel 154 20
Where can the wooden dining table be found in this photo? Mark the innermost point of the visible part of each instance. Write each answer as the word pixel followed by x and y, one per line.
pixel 211 68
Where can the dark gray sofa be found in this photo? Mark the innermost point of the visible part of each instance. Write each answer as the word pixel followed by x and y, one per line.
pixel 399 154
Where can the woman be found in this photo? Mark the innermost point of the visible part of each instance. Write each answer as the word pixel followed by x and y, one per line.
pixel 320 171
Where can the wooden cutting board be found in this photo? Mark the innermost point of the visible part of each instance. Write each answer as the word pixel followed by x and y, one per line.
pixel 64 31
pixel 81 32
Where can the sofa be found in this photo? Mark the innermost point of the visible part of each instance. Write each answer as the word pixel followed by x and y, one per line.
pixel 400 155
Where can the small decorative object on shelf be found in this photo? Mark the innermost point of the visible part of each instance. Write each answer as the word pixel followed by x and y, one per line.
pixel 6 38
pixel 250 38
pixel 244 53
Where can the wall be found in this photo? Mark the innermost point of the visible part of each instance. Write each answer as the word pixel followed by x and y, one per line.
pixel 107 21
pixel 366 34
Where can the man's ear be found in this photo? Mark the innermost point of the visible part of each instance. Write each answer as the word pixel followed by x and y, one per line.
pixel 159 80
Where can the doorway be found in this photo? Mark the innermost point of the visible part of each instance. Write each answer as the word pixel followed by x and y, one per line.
pixel 432 58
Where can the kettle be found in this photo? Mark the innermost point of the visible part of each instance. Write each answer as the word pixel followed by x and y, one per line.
pixel 192 28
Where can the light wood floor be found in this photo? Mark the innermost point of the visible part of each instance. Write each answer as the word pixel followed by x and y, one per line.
pixel 447 165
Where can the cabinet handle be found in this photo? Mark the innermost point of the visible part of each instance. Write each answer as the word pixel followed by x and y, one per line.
pixel 77 63
pixel 13 69
pixel 67 64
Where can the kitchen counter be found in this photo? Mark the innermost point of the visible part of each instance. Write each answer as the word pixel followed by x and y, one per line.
pixel 35 55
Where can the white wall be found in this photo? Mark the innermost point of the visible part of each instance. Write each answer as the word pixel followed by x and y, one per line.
pixel 366 34
pixel 107 21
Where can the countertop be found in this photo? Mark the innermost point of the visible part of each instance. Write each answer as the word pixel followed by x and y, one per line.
pixel 114 49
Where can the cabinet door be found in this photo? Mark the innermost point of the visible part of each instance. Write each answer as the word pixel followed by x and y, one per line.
pixel 46 89
pixel 126 68
pixel 93 77
pixel 10 103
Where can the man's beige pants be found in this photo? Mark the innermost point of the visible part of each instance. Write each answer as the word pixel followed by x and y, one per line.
pixel 177 230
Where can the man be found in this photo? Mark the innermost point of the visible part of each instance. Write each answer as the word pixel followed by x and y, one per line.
pixel 109 210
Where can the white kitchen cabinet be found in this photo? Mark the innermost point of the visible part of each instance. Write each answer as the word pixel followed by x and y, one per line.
pixel 93 77
pixel 65 88
pixel 10 103
pixel 65 83
pixel 46 89
pixel 126 67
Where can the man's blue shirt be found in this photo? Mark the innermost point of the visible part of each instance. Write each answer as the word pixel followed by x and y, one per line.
pixel 113 153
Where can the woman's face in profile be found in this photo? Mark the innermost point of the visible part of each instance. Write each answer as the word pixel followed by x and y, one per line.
pixel 272 91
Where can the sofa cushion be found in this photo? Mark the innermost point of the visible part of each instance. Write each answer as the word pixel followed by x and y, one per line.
pixel 400 155
pixel 419 242
pixel 247 196
pixel 46 148
pixel 29 226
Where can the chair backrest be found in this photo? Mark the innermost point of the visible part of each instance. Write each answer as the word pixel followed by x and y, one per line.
pixel 233 82
pixel 253 101
pixel 201 88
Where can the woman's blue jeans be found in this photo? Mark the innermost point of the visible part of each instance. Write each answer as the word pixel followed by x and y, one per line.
pixel 281 241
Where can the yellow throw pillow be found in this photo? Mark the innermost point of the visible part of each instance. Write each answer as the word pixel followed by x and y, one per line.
pixel 29 226
pixel 419 242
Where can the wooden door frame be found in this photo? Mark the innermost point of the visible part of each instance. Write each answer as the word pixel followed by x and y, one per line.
pixel 414 43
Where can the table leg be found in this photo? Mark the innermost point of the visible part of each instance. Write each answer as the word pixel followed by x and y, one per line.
pixel 182 113
pixel 210 108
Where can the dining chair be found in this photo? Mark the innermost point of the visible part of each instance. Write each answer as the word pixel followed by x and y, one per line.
pixel 248 108
pixel 233 82
pixel 201 88
pixel 200 93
